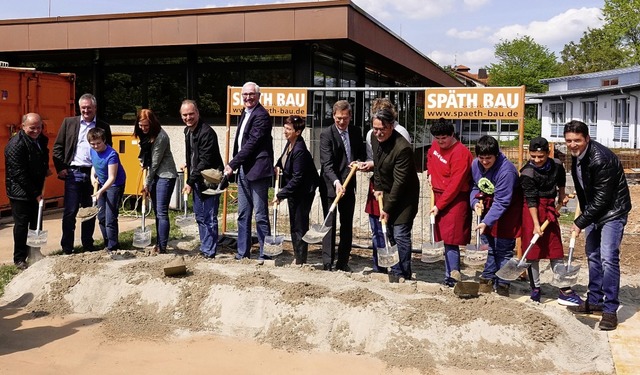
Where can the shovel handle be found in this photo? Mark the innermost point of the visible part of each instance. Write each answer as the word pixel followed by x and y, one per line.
pixel 354 167
pixel 383 221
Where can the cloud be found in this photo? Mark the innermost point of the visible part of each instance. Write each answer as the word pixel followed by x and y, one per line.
pixel 572 23
pixel 479 57
pixel 475 4
pixel 412 9
pixel 477 33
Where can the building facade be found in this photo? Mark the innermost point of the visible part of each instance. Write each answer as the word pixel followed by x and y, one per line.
pixel 606 101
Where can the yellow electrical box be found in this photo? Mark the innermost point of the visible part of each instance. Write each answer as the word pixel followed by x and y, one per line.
pixel 127 146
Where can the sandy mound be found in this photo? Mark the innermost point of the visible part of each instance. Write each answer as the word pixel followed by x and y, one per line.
pixel 413 325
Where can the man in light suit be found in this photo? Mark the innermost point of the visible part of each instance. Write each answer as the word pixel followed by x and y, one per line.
pixel 253 161
pixel 341 145
pixel 72 160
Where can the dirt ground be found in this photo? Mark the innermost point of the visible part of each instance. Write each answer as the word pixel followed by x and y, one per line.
pixel 88 313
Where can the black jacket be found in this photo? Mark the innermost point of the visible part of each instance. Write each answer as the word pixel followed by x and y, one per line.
pixel 26 166
pixel 299 175
pixel 395 174
pixel 333 159
pixel 604 193
pixel 206 153
pixel 64 148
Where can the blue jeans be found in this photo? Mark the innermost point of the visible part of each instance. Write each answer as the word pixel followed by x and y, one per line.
pixel 252 195
pixel 602 246
pixel 378 241
pixel 161 190
pixel 400 234
pixel 451 261
pixel 109 204
pixel 77 193
pixel 499 253
pixel 205 209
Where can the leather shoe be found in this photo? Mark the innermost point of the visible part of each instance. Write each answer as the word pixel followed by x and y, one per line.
pixel 609 322
pixel 344 268
pixel 586 308
pixel 326 267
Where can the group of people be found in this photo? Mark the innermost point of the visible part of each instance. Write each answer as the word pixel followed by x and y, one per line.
pixel 517 204
pixel 512 203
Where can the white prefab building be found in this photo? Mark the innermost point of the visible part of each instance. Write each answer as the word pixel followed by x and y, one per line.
pixel 607 101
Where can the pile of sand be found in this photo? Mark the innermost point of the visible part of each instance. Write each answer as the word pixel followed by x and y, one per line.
pixel 416 324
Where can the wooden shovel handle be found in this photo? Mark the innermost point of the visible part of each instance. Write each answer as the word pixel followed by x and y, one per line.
pixel 379 198
pixel 354 167
pixel 186 175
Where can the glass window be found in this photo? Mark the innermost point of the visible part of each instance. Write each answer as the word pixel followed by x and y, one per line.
pixel 621 120
pixel 556 115
pixel 590 116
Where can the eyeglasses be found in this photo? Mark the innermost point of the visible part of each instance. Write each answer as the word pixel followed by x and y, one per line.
pixel 379 130
pixel 249 94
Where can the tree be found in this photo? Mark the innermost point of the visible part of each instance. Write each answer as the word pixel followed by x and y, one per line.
pixel 522 61
pixel 598 49
pixel 622 17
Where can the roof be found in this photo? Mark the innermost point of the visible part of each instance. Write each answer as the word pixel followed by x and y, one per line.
pixel 339 21
pixel 590 90
pixel 604 73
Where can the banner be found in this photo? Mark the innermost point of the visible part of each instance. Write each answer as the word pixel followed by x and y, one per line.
pixel 277 101
pixel 474 103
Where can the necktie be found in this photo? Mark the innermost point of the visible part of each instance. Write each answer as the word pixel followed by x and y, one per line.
pixel 347 146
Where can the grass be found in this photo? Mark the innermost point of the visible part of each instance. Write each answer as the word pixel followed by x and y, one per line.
pixel 7 272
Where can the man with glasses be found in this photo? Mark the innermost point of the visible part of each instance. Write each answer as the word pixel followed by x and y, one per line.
pixel 253 161
pixel 449 170
pixel 341 145
pixel 396 180
pixel 72 159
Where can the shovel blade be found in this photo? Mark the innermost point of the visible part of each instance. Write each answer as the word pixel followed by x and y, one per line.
pixel 316 233
pixel 512 269
pixel 474 256
pixel 185 220
pixel 141 238
pixel 388 257
pixel 432 252
pixel 34 255
pixel 565 277
pixel 272 245
pixel 37 238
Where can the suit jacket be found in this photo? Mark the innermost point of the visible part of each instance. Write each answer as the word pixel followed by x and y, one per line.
pixel 299 175
pixel 67 140
pixel 333 159
pixel 395 174
pixel 256 153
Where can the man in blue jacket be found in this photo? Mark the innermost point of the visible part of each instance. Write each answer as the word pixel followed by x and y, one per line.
pixel 253 161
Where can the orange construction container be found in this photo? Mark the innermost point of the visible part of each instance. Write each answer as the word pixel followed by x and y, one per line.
pixel 52 95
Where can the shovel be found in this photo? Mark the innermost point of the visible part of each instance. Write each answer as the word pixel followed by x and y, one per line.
pixel 38 238
pixel 273 244
pixel 316 233
pixel 565 276
pixel 88 213
pixel 514 267
pixel 388 256
pixel 186 219
pixel 476 254
pixel 142 235
pixel 434 251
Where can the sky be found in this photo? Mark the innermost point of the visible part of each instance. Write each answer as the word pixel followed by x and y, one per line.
pixel 449 32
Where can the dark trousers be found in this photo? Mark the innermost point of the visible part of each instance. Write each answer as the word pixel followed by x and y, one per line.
pixel 77 193
pixel 346 208
pixel 25 217
pixel 299 208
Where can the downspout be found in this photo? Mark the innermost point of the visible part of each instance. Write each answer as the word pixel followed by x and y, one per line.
pixel 565 101
pixel 635 130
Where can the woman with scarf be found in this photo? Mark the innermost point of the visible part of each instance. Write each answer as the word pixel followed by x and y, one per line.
pixel 155 156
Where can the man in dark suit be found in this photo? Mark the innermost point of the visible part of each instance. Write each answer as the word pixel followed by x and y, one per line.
pixel 253 161
pixel 72 160
pixel 396 179
pixel 341 145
